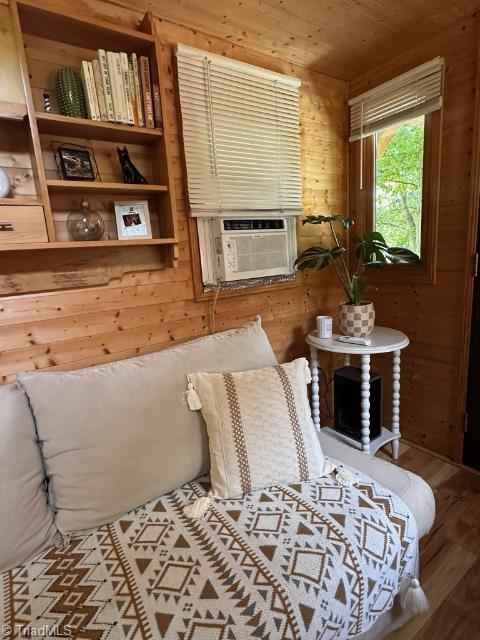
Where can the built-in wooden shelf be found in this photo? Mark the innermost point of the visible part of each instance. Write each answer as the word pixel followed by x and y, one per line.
pixel 120 188
pixel 34 246
pixel 80 29
pixel 21 201
pixel 80 128
pixel 70 34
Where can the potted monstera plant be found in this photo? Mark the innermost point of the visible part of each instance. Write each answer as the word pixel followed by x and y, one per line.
pixel 357 315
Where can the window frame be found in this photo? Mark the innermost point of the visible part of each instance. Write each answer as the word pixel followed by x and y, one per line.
pixel 362 202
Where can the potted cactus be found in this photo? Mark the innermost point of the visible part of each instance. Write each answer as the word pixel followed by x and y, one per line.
pixel 357 315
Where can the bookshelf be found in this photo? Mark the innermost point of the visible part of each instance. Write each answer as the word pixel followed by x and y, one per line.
pixel 47 40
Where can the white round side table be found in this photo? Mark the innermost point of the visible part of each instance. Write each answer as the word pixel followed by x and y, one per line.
pixel 384 340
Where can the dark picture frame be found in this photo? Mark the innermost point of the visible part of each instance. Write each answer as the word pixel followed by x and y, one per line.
pixel 75 162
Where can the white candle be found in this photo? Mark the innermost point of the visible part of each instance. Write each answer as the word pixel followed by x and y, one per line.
pixel 324 327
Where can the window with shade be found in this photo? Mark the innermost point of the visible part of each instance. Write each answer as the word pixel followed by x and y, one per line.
pixel 395 131
pixel 241 139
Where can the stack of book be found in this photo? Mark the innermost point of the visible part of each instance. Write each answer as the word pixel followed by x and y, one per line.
pixel 121 88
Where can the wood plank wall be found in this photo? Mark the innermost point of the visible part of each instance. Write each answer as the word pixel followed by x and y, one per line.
pixel 100 306
pixel 436 316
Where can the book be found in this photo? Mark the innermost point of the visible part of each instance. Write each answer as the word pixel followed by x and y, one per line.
pixel 122 93
pixel 107 88
pixel 126 85
pixel 157 108
pixel 138 94
pixel 133 96
pixel 115 85
pixel 144 72
pixel 97 76
pixel 94 89
pixel 90 96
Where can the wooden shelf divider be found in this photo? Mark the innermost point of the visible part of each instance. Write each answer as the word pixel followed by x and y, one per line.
pixel 20 201
pixel 119 188
pixel 84 128
pixel 83 244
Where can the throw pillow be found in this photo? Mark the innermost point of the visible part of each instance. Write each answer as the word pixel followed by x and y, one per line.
pixel 259 427
pixel 117 435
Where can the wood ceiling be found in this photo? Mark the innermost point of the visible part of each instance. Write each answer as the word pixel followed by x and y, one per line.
pixel 342 38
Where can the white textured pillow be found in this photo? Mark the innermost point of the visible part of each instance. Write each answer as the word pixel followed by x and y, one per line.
pixel 26 521
pixel 117 435
pixel 259 428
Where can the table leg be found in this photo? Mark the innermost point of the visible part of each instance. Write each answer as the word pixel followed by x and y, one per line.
pixel 346 359
pixel 396 405
pixel 315 388
pixel 365 405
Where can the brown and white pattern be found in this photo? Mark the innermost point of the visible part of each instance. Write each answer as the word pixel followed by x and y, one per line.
pixel 357 321
pixel 259 427
pixel 312 560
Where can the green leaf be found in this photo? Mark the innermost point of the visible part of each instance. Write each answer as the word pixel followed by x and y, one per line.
pixel 336 252
pixel 317 257
pixel 318 219
pixel 373 237
pixel 313 257
pixel 402 255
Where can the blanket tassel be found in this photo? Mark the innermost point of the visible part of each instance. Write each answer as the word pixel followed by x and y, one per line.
pixel 62 541
pixel 345 477
pixel 198 508
pixel 414 599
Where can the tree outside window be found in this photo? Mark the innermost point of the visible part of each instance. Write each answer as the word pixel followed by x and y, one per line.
pixel 399 153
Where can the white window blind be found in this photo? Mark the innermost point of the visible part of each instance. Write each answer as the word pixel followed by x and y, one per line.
pixel 241 135
pixel 415 93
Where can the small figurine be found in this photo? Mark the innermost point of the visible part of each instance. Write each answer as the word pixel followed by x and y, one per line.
pixel 46 102
pixel 131 175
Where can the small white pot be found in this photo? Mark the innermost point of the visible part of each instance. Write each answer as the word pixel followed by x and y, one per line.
pixel 357 321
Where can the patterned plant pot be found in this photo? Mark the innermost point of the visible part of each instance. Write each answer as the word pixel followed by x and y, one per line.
pixel 70 94
pixel 357 321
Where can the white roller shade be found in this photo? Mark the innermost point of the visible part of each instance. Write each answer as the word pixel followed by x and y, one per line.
pixel 241 135
pixel 412 94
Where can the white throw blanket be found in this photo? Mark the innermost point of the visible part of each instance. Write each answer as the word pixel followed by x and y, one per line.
pixel 312 560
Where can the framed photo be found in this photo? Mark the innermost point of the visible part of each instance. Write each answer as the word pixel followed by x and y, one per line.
pixel 76 163
pixel 133 220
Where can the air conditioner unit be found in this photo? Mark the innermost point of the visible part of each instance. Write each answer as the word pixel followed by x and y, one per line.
pixel 251 247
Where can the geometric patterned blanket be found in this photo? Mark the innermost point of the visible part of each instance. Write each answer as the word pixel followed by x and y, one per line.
pixel 311 560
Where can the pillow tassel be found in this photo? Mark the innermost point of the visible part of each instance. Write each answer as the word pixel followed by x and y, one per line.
pixel 193 399
pixel 414 599
pixel 198 508
pixel 345 477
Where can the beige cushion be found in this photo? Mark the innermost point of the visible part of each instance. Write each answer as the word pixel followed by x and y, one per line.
pixel 117 435
pixel 26 522
pixel 410 488
pixel 259 427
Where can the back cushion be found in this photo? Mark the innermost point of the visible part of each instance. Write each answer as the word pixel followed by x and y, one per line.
pixel 26 521
pixel 118 435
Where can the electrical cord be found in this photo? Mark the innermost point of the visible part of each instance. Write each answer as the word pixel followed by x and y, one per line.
pixel 324 396
pixel 214 306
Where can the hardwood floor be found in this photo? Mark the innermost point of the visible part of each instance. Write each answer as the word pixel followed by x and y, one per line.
pixel 450 554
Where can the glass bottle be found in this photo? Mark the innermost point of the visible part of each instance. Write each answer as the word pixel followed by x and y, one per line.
pixel 85 224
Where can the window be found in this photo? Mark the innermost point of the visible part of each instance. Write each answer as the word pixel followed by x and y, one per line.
pixel 241 138
pixel 399 161
pixel 395 131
